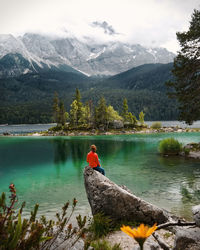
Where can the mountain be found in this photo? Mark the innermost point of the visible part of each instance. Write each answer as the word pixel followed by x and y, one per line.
pixel 28 98
pixel 147 76
pixel 39 52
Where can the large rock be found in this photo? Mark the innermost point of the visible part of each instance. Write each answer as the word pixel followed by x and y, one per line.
pixel 119 203
pixel 196 214
pixel 187 238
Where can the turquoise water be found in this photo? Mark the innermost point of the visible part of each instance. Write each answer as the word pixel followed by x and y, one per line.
pixel 49 170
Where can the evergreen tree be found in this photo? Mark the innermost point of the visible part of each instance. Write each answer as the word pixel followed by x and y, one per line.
pixel 125 110
pixel 87 113
pixel 101 113
pixel 141 117
pixel 73 113
pixel 56 108
pixel 186 71
pixel 132 119
pixel 79 105
pixel 113 114
pixel 62 117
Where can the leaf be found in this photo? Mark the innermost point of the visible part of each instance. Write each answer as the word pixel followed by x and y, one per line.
pixel 45 238
pixel 17 234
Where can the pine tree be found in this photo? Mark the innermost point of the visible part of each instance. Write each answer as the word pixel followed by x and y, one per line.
pixel 125 110
pixel 79 105
pixel 101 113
pixel 56 108
pixel 186 71
pixel 141 117
pixel 62 117
pixel 73 113
pixel 132 119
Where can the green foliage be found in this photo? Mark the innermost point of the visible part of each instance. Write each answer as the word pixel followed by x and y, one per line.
pixel 185 86
pixel 79 115
pixel 186 151
pixel 101 113
pixel 170 146
pixel 73 113
pixel 113 114
pixel 99 226
pixel 141 117
pixel 104 245
pixel 28 98
pixel 156 125
pixel 61 116
pixel 125 110
pixel 33 233
pixel 55 107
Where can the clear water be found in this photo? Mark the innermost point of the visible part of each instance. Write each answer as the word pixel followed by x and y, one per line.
pixel 24 128
pixel 49 170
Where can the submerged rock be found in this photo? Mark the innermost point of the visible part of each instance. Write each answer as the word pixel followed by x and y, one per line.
pixel 119 203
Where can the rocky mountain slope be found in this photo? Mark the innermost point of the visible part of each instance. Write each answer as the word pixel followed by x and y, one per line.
pixel 35 52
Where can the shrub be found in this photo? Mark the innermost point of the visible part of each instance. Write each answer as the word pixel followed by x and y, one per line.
pixel 156 125
pixel 32 233
pixel 170 146
pixel 56 128
pixel 186 151
pixel 99 226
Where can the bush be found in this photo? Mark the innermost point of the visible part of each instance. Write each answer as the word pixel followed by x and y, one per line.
pixel 156 125
pixel 32 233
pixel 99 226
pixel 170 146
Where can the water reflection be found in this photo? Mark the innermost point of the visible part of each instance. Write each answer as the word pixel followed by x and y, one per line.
pixel 53 167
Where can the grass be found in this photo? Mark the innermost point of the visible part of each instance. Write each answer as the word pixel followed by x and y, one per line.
pixel 170 146
pixel 156 125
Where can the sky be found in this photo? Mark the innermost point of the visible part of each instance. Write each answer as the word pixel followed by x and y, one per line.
pixel 151 23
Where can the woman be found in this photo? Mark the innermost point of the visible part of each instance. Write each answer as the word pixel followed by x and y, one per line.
pixel 93 160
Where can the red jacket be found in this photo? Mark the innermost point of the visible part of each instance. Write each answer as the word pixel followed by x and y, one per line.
pixel 92 159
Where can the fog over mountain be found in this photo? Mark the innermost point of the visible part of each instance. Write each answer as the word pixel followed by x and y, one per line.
pixel 35 52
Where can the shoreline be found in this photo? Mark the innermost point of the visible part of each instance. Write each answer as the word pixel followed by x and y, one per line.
pixel 95 132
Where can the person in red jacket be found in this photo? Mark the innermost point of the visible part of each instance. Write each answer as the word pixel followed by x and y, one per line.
pixel 93 160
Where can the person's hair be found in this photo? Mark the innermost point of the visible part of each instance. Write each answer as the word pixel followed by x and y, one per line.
pixel 93 148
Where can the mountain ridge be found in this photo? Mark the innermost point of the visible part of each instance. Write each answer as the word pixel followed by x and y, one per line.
pixel 89 58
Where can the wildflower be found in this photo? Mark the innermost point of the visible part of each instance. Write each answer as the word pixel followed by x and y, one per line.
pixel 140 234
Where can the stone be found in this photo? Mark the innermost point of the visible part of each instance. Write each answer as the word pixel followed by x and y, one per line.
pixel 196 214
pixel 119 204
pixel 187 238
pixel 116 124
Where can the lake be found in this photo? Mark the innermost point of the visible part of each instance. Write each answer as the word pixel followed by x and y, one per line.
pixel 49 170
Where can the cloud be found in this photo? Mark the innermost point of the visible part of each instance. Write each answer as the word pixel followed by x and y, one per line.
pixel 131 21
pixel 108 29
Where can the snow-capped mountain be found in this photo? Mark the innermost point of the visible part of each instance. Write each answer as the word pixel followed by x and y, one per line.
pixel 34 52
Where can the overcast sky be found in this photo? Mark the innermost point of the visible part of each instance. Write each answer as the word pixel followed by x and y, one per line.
pixel 147 22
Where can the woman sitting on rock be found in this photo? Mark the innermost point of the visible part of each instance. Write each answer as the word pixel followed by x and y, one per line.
pixel 93 160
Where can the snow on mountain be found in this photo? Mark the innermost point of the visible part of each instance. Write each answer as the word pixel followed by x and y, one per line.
pixel 89 57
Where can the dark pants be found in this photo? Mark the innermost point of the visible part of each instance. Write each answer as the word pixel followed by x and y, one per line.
pixel 100 169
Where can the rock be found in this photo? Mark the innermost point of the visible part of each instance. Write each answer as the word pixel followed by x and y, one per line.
pixel 116 124
pixel 116 202
pixel 196 214
pixel 128 243
pixel 187 238
pixel 6 133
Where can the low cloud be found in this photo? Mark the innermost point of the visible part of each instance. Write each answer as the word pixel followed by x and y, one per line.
pixel 108 29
